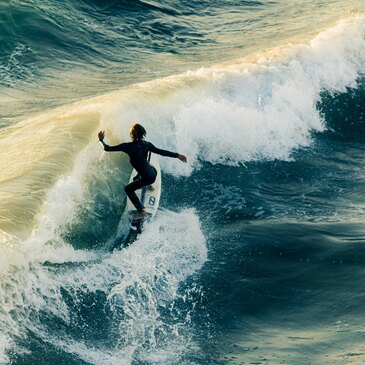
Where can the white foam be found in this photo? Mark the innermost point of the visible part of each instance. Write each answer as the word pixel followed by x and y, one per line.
pixel 164 256
pixel 4 345
pixel 267 110
pixel 26 286
pixel 170 250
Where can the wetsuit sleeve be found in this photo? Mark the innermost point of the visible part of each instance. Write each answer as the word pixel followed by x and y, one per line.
pixel 120 147
pixel 162 152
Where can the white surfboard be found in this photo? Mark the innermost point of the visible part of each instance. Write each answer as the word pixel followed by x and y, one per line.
pixel 149 197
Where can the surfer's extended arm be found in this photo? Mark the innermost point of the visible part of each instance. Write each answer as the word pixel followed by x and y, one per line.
pixel 161 152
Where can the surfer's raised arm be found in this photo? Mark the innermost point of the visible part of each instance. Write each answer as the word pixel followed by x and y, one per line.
pixel 101 136
pixel 120 147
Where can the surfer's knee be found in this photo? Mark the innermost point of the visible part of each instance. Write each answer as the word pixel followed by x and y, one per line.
pixel 127 189
pixel 151 179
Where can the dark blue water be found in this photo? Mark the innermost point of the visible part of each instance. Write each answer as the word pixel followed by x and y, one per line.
pixel 256 255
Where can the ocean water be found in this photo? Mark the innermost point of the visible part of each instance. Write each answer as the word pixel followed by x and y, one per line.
pixel 257 254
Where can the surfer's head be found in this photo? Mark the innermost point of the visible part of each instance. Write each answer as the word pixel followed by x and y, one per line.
pixel 137 132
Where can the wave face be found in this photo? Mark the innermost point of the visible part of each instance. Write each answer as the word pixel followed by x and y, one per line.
pixel 256 254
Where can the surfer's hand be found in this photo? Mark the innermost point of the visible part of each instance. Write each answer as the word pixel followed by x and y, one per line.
pixel 182 158
pixel 101 135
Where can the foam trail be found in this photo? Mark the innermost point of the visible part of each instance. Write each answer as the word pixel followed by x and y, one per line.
pixel 157 263
pixel 152 274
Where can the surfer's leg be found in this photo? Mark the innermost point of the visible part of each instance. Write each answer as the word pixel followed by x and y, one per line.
pixel 137 177
pixel 141 180
pixel 130 191
pixel 152 178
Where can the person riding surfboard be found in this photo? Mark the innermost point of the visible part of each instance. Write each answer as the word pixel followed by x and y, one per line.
pixel 138 151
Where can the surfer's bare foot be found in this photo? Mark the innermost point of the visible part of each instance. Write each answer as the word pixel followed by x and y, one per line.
pixel 151 188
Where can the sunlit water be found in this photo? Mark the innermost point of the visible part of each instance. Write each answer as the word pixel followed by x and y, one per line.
pixel 255 256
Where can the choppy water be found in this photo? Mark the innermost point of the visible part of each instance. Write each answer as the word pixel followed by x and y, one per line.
pixel 256 255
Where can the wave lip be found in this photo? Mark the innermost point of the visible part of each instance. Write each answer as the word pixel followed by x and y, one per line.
pixel 267 109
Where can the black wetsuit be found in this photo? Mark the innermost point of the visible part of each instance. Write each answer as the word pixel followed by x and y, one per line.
pixel 138 152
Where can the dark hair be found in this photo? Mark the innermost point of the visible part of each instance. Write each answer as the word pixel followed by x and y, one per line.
pixel 137 132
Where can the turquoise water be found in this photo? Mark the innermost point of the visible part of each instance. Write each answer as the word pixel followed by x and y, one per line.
pixel 256 255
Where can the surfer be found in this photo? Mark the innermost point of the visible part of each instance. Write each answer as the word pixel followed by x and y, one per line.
pixel 138 150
